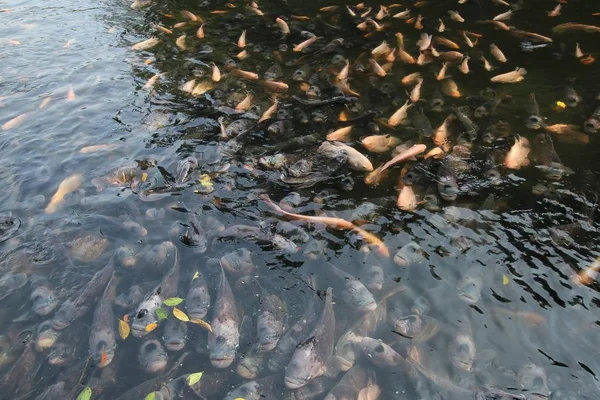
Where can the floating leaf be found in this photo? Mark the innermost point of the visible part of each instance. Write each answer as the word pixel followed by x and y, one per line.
pixel 86 394
pixel 161 314
pixel 192 379
pixel 150 396
pixel 206 181
pixel 123 329
pixel 180 315
pixel 144 177
pixel 239 398
pixel 202 323
pixel 505 279
pixel 196 275
pixel 151 327
pixel 173 301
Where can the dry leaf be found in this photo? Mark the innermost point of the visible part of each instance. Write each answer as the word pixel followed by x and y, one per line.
pixel 180 315
pixel 202 323
pixel 123 329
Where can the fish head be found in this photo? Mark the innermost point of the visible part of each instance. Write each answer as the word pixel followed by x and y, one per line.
pixel 46 335
pixel 431 202
pixel 377 351
pixel 222 351
pixel 238 262
pixel 373 277
pixel 314 249
pixel 103 350
pixel 60 353
pixel 145 314
pixel 152 356
pixel 469 286
pixel 248 367
pixel 481 112
pixel 409 254
pixel 533 379
pixel 411 326
pixel 44 301
pixel 462 352
pixel 534 122
pixel 421 306
pixel 590 126
pixel 448 188
pixel 247 391
pixel 65 315
pixel 174 335
pixel 304 366
pixel 358 297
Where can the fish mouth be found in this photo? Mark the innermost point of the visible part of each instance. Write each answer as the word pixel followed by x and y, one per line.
pixel 245 372
pixel 591 126
pixel 58 360
pixel 376 286
pixel 449 194
pixel 153 367
pixel 269 345
pixel 45 309
pixel 469 299
pixel 402 261
pixel 175 345
pixel 138 331
pixel 293 383
pixel 221 362
pixel 372 306
pixel 59 325
pixel 45 342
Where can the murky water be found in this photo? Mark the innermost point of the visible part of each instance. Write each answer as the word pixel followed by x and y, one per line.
pixel 485 295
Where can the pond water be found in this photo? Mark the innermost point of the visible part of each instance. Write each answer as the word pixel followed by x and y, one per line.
pixel 184 181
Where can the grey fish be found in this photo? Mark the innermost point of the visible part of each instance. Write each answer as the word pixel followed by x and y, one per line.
pixel 275 161
pixel 152 356
pixel 157 258
pixel 353 294
pixel 15 381
pixel 470 285
pixel 420 121
pixel 295 334
pixel 264 388
pixel 185 168
pixel 532 378
pixel 224 340
pixel 237 128
pixel 11 283
pixel 8 227
pixel 382 355
pixel 546 159
pixel 310 357
pixel 273 72
pixel 301 74
pixel 197 300
pixel 140 391
pixel 533 119
pixel 436 103
pixel 252 363
pixel 238 262
pixel 79 303
pixel 134 295
pixel 572 99
pixel 175 334
pixel 592 125
pixel 469 128
pixel 357 383
pixel 409 254
pixel 331 46
pixel 194 235
pixel 447 185
pixel 102 342
pixel 145 312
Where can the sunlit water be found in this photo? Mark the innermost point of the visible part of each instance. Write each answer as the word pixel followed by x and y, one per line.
pixel 69 69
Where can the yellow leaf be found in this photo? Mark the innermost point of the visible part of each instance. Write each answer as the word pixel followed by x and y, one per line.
pixel 205 180
pixel 123 329
pixel 561 104
pixel 196 275
pixel 151 327
pixel 180 315
pixel 192 379
pixel 144 177
pixel 505 279
pixel 239 398
pixel 202 323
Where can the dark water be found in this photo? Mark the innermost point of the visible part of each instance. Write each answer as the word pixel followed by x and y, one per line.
pixel 523 250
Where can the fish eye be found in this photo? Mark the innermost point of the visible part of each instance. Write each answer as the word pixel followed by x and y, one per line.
pixel 379 348
pixel 142 314
pixel 158 290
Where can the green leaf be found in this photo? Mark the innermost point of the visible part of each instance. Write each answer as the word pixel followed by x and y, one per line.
pixel 192 379
pixel 161 314
pixel 196 275
pixel 86 394
pixel 150 396
pixel 173 301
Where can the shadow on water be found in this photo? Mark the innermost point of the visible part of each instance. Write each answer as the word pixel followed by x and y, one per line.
pixel 147 163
